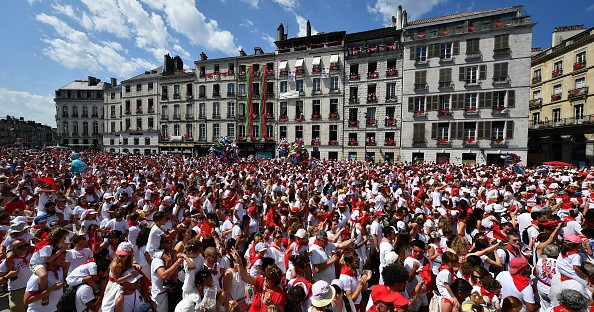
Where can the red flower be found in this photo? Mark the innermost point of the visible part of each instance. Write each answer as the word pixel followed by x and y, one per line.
pixel 469 140
pixel 443 140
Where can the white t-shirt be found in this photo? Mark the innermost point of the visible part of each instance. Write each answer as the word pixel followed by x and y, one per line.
pixel 40 255
pixel 154 240
pixel 444 277
pixel 546 269
pixel 385 248
pixel 509 289
pixel 350 284
pixel 75 277
pixel 121 225
pixel 320 255
pixel 26 237
pixel 227 225
pixel 565 266
pixel 376 229
pixel 558 287
pixel 156 281
pixel 54 296
pixel 189 285
pixel 22 265
pixel 133 234
pixel 77 257
pixel 84 295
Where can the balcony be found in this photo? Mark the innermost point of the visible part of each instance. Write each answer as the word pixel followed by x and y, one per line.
pixel 316 116
pixel 495 142
pixel 421 86
pixel 501 52
pixel 283 72
pixel 446 60
pixel 126 112
pixel 333 116
pixel 536 79
pixel 444 112
pixel 470 141
pixel 176 117
pixel 189 116
pixel 202 116
pixel 565 122
pixel 501 80
pixel 391 98
pixel 230 116
pixel 419 142
pixel 577 93
pixel 254 116
pixel 270 73
pixel 333 142
pixel 390 142
pixel 316 92
pixel 317 69
pixel 557 73
pixel 164 117
pixel 420 113
pixel 445 85
pixel 202 96
pixel 299 71
pixel 255 73
pixel 189 97
pixel 334 91
pixel 176 96
pixel 535 103
pixel 371 122
pixel 230 93
pixel 353 123
pixel 216 94
pixel 150 110
pixel 473 55
pixel 354 76
pixel 579 66
pixel 370 142
pixel 372 98
pixel 315 141
pixel 334 66
pixel 471 111
pixel 283 118
pixel 299 118
pixel 391 73
pixel 372 75
pixel 498 110
pixel 555 97
pixel 421 62
pixel 353 100
pixel 241 75
pixel 390 122
pixel 353 142
pixel 139 110
pixel 443 141
pixel 268 117
pixel 472 83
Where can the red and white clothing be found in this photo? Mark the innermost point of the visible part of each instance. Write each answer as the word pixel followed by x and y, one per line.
pixel 445 276
pixel 546 269
pixel 516 286
pixel 565 266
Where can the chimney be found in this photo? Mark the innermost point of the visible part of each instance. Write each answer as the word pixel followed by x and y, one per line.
pixel 203 56
pixel 114 82
pixel 179 64
pixel 166 59
pixel 258 51
pixel 308 29
pixel 399 17
pixel 92 81
pixel 404 19
pixel 280 35
pixel 241 52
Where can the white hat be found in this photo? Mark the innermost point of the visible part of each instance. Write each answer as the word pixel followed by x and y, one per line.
pixel 391 257
pixel 132 279
pixel 301 233
pixel 498 208
pixel 19 219
pixel 167 199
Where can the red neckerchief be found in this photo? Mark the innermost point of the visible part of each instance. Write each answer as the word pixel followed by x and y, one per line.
pixel 569 253
pixel 348 271
pixel 561 308
pixel 520 281
pixel 425 272
pixel 318 244
pixel 485 292
pixel 445 267
pixel 89 261
pixel 273 245
pixel 512 250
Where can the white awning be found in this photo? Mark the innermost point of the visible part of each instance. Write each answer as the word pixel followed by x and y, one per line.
pixel 333 58
pixel 283 65
pixel 316 60
pixel 299 63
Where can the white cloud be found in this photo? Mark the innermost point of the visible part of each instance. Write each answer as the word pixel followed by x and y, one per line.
pixel 252 3
pixel 74 49
pixel 302 22
pixel 40 108
pixel 288 5
pixel 32 2
pixel 270 40
pixel 590 8
pixel 414 8
pixel 246 23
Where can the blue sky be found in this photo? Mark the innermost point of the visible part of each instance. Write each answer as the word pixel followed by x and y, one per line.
pixel 51 43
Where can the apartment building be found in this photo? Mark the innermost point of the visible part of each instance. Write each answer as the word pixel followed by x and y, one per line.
pixel 311 91
pixel 561 110
pixel 25 133
pixel 465 85
pixel 79 113
pixel 372 110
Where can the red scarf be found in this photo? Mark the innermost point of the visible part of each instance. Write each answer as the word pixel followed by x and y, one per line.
pixel 425 273
pixel 348 271
pixel 520 281
pixel 561 308
pixel 486 293
pixel 445 267
pixel 512 250
pixel 318 244
pixel 569 253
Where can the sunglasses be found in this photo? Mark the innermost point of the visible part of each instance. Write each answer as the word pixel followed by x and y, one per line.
pixel 278 237
pixel 21 247
pixel 477 277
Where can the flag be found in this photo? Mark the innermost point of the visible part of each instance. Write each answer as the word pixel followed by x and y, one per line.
pixel 325 72
pixel 292 76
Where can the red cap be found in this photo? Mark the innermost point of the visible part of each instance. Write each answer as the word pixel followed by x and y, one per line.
pixel 252 209
pixel 383 294
pixel 380 213
pixel 516 265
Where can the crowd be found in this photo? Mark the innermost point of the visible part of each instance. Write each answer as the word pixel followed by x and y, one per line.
pixel 180 233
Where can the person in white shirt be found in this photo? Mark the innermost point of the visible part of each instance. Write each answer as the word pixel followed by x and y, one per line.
pixel 323 254
pixel 16 271
pixel 386 246
pixel 516 282
pixel 130 299
pixel 54 290
pixel 160 273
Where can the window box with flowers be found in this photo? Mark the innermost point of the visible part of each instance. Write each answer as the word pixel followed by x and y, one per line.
pixel 469 140
pixel 372 75
pixel 268 116
pixel 315 141
pixel 255 116
pixel 127 112
pixel 371 122
pixel 230 72
pixel 151 110
pixel 353 123
pixel 353 142
pixel 390 122
pixel 498 141
pixel 391 72
pixel 255 73
pixel 390 142
pixel 499 109
pixel 187 137
pixel 269 139
pixel 299 118
pixel 555 97
pixel 443 140
pixel 283 72
pixel 370 143
pixel 317 69
pixel 282 118
pixel 333 142
pixel 254 139
pixel 557 73
pixel 299 71
pixel 354 76
pixel 315 116
pixel 536 79
pixel 241 75
pixel 139 111
pixel 270 72
pixel 334 67
pixel 444 112
pixel 471 110
pixel 333 116
pixel 165 138
pixel 420 113
pixel 240 138
pixel 580 65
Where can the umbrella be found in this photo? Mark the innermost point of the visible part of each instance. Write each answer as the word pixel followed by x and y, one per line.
pixel 47 180
pixel 557 163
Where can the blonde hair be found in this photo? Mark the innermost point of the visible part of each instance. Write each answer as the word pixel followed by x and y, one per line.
pixel 273 308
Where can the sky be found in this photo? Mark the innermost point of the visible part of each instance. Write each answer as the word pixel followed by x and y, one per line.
pixel 50 43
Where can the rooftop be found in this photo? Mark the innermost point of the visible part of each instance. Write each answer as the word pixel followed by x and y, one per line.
pixel 84 85
pixel 458 15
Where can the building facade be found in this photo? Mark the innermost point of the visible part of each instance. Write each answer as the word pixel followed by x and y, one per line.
pixel 465 84
pixel 79 113
pixel 372 113
pixel 561 108
pixel 25 133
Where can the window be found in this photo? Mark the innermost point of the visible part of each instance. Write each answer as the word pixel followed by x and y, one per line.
pixel 298 108
pixel 498 99
pixel 112 95
pixel 189 131
pixel 470 101
pixel 164 92
pixel 580 82
pixel 418 133
pixel 421 54
pixel 353 112
pixel 231 130
pixel 190 111
pixel 202 110
pixel 112 126
pixel 471 74
pixel 269 109
pixel 147 141
pixel 256 109
pixel 150 86
pixel 299 85
pixel 283 86
pixel 127 88
pixel 189 90
pixel 202 91
pixel 421 80
pixel 500 72
pixel 95 112
pixel 66 131
pixel 444 102
pixel 231 67
pixel 578 112
pixel 202 132
pixel 315 132
pixel 537 75
pixel 128 124
pixel 136 141
pixel 256 89
pixel 138 123
pixel 469 130
pixel 497 128
pixel 354 72
pixel 176 130
pixel 557 89
pixel 230 109
pixel 445 77
pixel 298 132
pixel 241 90
pixel 241 131
pixel 502 42
pixel 316 85
pixel 445 50
pixel 138 87
pixel 535 119
pixel 125 141
pixel 176 91
pixel 419 104
pixel 473 46
pixel 370 114
pixel 112 111
pixel 391 91
pixel 334 83
pixel 269 131
pixel 241 109
pixel 283 110
pixel 176 112
pixel 216 90
pixel 556 115
pixel 580 58
pixel 138 105
pixel 316 107
pixel 216 110
pixel 536 94
pixel 231 89
pixel 390 112
pixel 151 122
pixel 74 111
pixel 164 131
pixel 85 111
pixel 333 133
pixel 282 132
pixel 333 106
pixel 443 131
pixel 65 111
pixel 557 68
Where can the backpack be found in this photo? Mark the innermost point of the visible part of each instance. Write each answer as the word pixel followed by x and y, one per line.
pixel 525 236
pixel 67 302
pixel 435 304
